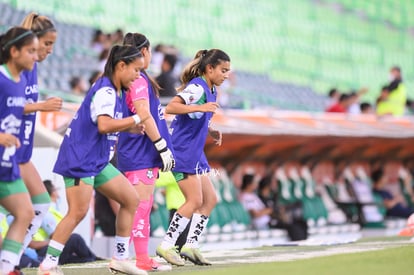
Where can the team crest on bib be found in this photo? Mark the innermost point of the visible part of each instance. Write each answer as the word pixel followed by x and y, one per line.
pixel 150 174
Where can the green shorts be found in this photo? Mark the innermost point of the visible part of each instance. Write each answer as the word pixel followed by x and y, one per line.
pixel 8 188
pixel 108 173
pixel 179 176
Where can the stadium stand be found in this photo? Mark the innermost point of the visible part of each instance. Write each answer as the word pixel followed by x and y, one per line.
pixel 312 45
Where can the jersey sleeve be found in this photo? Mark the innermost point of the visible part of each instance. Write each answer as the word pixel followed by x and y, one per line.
pixel 193 94
pixel 139 89
pixel 104 102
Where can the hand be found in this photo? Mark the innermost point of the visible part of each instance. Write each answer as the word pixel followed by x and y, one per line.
pixel 168 161
pixel 216 135
pixel 8 140
pixel 138 129
pixel 52 104
pixel 209 107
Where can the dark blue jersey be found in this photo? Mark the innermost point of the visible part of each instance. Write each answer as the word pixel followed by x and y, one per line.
pixel 24 153
pixel 137 152
pixel 12 102
pixel 84 151
pixel 189 131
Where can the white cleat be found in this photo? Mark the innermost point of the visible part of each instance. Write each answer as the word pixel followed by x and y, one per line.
pixel 125 267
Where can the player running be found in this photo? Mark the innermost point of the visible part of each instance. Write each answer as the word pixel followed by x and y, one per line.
pixel 194 107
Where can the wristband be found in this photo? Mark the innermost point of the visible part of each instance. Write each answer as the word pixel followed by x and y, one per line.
pixel 137 119
pixel 160 145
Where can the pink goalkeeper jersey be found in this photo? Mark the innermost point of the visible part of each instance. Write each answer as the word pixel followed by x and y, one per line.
pixel 137 91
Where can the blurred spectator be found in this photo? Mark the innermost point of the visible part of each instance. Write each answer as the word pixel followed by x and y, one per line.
pixel 341 106
pixel 78 86
pixel 366 108
pixel 99 42
pixel 395 100
pixel 75 250
pixel 410 106
pixel 354 97
pixel 333 97
pixel 166 79
pixel 117 37
pixel 102 58
pixel 283 216
pixel 395 205
pixel 259 212
pixel 269 197
pixel 382 106
pixel 157 59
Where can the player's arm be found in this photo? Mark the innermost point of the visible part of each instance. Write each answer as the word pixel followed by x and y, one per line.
pixel 143 110
pixel 107 124
pixel 190 101
pixel 138 102
pixel 177 106
pixel 103 113
pixel 49 105
pixel 151 129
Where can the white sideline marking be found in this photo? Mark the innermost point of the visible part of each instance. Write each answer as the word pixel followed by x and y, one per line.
pixel 260 256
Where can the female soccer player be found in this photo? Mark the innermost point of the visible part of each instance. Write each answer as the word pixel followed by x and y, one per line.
pixel 141 156
pixel 17 53
pixel 45 31
pixel 194 107
pixel 84 155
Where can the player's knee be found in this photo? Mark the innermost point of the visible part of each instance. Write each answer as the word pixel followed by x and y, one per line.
pixel 77 214
pixel 212 200
pixel 25 215
pixel 131 202
pixel 195 203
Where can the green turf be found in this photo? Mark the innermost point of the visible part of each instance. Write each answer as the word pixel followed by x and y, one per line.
pixel 396 260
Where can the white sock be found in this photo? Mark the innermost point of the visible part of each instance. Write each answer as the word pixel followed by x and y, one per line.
pixel 51 259
pixel 177 226
pixel 40 210
pixel 8 261
pixel 121 250
pixel 197 227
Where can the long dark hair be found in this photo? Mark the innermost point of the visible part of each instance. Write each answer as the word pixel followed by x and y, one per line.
pixel 140 41
pixel 197 67
pixel 127 54
pixel 14 37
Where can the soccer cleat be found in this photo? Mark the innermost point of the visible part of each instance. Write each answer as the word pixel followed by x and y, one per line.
pixel 406 232
pixel 54 271
pixel 194 256
pixel 149 264
pixel 170 255
pixel 125 267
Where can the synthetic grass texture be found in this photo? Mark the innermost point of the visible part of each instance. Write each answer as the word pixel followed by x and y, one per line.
pixel 396 260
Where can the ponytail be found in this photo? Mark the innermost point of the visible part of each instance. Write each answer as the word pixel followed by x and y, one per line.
pixel 192 69
pixel 197 67
pixel 140 41
pixel 39 24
